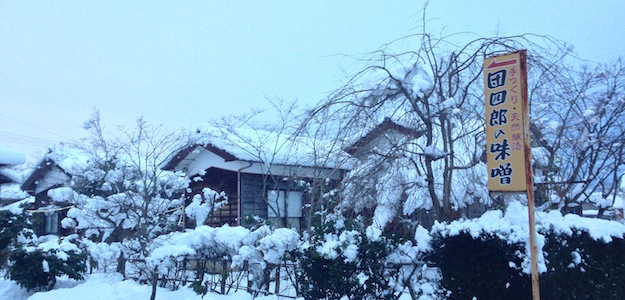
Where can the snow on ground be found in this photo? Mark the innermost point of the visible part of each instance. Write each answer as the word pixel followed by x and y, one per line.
pixel 111 287
pixel 512 224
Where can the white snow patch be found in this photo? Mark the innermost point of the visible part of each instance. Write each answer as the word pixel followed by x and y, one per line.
pixel 11 157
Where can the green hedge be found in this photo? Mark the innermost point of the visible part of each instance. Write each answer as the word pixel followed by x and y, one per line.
pixel 479 267
pixel 600 275
pixel 324 278
pixel 578 267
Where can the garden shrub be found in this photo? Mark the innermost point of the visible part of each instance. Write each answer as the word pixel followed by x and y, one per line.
pixel 322 277
pixel 486 258
pixel 11 226
pixel 36 267
pixel 480 267
pixel 338 262
pixel 580 267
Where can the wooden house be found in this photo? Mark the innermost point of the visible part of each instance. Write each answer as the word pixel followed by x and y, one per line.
pixel 55 170
pixel 264 175
pixel 381 138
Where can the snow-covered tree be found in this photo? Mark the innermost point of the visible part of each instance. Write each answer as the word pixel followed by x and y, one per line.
pixel 429 159
pixel 121 196
pixel 12 226
pixel 580 114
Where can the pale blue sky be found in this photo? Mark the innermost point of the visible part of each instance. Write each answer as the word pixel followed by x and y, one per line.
pixel 183 62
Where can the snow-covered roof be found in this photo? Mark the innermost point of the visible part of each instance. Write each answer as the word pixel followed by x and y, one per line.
pixel 387 125
pixel 69 160
pixel 247 144
pixel 9 176
pixel 10 157
pixel 12 192
pixel 17 207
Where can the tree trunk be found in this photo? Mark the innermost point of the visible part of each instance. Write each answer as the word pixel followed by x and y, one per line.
pixel 600 213
pixel 277 290
pixel 224 276
pixel 121 265
pixel 246 269
pixel 266 280
pixel 154 282
pixel 52 281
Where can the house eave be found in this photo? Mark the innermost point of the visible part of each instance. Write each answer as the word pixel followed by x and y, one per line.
pixel 383 127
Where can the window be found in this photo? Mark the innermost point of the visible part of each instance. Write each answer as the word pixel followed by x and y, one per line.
pixel 281 201
pixel 52 223
pixel 281 204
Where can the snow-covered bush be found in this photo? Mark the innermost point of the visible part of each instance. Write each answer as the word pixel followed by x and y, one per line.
pixel 204 249
pixel 37 264
pixel 264 251
pixel 581 266
pixel 488 257
pixel 12 226
pixel 480 267
pixel 102 256
pixel 202 205
pixel 414 274
pixel 340 259
pixel 227 251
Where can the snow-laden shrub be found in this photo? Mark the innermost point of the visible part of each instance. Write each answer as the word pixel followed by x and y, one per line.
pixel 582 267
pixel 102 256
pixel 202 249
pixel 265 251
pixel 37 263
pixel 12 226
pixel 341 260
pixel 481 267
pixel 413 273
pixel 203 204
pixel 488 257
pixel 226 251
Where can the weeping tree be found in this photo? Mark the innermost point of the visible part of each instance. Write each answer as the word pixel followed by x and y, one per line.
pixel 413 123
pixel 580 113
pixel 430 156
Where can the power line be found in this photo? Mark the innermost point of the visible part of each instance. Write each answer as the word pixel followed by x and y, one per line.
pixel 33 126
pixel 596 57
pixel 25 140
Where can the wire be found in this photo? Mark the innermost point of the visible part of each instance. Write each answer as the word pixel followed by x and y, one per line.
pixel 25 140
pixel 33 126
pixel 49 210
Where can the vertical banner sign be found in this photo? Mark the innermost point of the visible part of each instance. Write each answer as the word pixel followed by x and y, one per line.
pixel 508 144
pixel 506 117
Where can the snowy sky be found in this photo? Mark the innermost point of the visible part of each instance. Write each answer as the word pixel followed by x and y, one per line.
pixel 181 63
